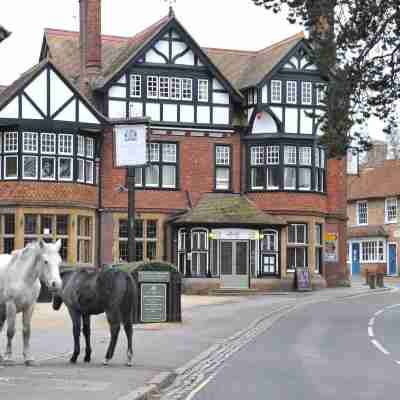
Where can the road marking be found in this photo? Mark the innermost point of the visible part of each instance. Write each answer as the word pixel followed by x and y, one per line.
pixel 371 321
pixel 370 331
pixel 200 387
pixel 379 346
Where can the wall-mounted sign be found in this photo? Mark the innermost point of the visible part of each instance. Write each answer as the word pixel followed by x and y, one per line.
pixel 130 145
pixel 331 253
pixel 234 234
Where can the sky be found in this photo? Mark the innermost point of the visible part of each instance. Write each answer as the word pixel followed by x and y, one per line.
pixel 232 24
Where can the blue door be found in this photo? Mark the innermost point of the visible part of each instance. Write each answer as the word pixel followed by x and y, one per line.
pixel 392 259
pixel 355 258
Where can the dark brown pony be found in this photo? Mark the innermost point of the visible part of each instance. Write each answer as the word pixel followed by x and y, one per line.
pixel 86 293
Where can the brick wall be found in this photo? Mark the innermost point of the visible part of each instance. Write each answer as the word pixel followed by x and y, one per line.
pixel 48 193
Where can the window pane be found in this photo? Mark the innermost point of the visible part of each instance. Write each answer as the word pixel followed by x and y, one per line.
pixel 186 89
pixel 151 229
pixel 291 92
pixel 290 155
pixel 138 228
pixel 89 171
pixel 257 178
pixel 123 228
pixel 301 261
pixel 81 170
pixel 203 90
pixel 292 234
pixel 152 87
pixel 48 168
pixel 305 179
pixel 11 166
pixel 30 224
pixel 169 176
pixel 65 144
pixel 81 146
pixel 305 155
pixel 136 86
pixel 276 91
pixel 290 178
pixel 153 152
pixel 30 167
pixel 164 87
pixel 46 225
pixel 222 155
pixel 151 250
pixel 89 147
pixel 291 258
pixel 10 142
pixel 222 178
pixel 169 152
pixel 306 92
pixel 176 88
pixel 257 155
pixel 9 224
pixel 272 156
pixel 62 224
pixel 48 143
pixel 65 169
pixel 30 142
pixel 152 175
pixel 272 178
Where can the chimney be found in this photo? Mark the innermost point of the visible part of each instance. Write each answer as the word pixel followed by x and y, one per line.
pixel 90 38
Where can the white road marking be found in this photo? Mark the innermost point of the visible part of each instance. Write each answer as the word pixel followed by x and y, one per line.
pixel 200 387
pixel 379 346
pixel 397 362
pixel 371 321
pixel 379 312
pixel 370 331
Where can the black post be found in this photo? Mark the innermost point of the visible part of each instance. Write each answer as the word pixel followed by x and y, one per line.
pixel 131 215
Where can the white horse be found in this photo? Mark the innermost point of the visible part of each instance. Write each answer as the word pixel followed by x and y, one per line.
pixel 20 275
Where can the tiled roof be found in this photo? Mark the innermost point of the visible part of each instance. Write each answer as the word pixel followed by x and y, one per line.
pixel 240 68
pixel 2 88
pixel 379 182
pixel 227 209
pixel 367 231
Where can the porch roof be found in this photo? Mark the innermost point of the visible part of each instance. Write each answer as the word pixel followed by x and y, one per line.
pixel 227 209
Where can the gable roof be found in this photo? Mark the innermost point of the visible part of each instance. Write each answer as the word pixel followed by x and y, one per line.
pixel 18 85
pixel 227 209
pixel 379 182
pixel 240 68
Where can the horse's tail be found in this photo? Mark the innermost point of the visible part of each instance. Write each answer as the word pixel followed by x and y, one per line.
pixel 57 302
pixel 130 300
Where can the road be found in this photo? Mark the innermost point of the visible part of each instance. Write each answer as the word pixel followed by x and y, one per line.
pixel 346 349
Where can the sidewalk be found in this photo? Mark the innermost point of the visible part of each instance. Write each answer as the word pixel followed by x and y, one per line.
pixel 158 348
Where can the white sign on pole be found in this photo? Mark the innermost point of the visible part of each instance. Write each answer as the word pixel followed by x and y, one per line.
pixel 130 145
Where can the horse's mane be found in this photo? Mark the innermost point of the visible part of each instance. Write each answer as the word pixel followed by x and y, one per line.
pixel 18 253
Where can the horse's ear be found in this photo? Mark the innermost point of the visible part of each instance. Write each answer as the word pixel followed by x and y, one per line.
pixel 58 245
pixel 41 243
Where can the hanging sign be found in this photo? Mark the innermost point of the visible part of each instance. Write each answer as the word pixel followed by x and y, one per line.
pixel 130 145
pixel 331 253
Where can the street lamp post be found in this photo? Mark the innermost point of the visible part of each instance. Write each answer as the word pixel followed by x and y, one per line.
pixel 131 215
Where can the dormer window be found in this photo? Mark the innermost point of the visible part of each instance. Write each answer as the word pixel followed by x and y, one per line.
pixel 276 91
pixel 291 92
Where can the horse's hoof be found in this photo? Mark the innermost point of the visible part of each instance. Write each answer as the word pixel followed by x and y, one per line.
pixel 87 360
pixel 72 360
pixel 105 362
pixel 129 363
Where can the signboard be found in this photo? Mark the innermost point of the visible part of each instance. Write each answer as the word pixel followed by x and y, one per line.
pixel 130 145
pixel 150 276
pixel 303 279
pixel 331 253
pixel 234 234
pixel 153 302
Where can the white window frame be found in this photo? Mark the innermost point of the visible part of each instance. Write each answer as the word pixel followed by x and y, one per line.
pixel 290 155
pixel 135 89
pixel 30 142
pixel 169 156
pixel 164 86
pixel 276 91
pixel 23 167
pixel 10 177
pixel 10 142
pixel 388 207
pixel 257 156
pixel 305 156
pixel 51 178
pixel 89 179
pixel 45 143
pixel 222 155
pixel 175 88
pixel 203 90
pixel 70 178
pixel 187 88
pixel 305 188
pixel 197 232
pixel 296 244
pixel 89 147
pixel 359 205
pixel 65 144
pixel 81 178
pixel 272 155
pixel 80 146
pixel 372 248
pixel 306 93
pixel 152 87
pixel 291 92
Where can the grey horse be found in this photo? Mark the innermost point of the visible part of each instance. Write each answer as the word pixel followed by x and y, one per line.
pixel 88 292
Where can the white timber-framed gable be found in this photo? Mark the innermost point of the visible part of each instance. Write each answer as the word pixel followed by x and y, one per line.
pixel 173 82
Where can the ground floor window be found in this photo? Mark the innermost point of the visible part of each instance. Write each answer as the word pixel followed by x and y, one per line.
pixel 199 251
pixel 318 248
pixel 297 247
pixel 48 227
pixel 84 238
pixel 373 251
pixel 7 233
pixel 146 232
pixel 269 253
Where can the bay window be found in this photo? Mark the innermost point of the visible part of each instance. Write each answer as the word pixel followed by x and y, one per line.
pixel 29 167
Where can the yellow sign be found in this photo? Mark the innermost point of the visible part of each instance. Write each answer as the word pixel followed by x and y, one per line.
pixel 330 237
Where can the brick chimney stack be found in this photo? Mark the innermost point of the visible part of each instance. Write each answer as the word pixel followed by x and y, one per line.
pixel 90 38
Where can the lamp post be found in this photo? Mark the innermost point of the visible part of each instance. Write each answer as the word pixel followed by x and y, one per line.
pixel 131 215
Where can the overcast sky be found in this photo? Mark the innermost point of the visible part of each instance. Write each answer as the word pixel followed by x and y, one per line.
pixel 233 24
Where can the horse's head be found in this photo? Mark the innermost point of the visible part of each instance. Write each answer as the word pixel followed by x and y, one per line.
pixel 50 260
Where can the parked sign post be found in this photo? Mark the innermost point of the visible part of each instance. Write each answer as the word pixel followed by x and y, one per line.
pixel 130 152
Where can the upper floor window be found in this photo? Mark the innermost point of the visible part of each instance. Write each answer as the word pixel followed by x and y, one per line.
pixel 222 167
pixel 362 213
pixel 391 210
pixel 290 155
pixel 162 169
pixel 164 87
pixel 187 89
pixel 10 142
pixel 306 93
pixel 252 97
pixel 136 86
pixel 175 89
pixel 152 87
pixel 291 92
pixel 203 90
pixel 65 145
pixel 320 94
pixel 276 91
pixel 30 142
pixel 48 143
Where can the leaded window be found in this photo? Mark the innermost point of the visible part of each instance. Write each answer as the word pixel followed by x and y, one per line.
pixel 306 93
pixel 30 142
pixel 152 87
pixel 65 144
pixel 29 167
pixel 187 89
pixel 164 87
pixel 136 86
pixel 175 88
pixel 276 91
pixel 10 142
pixel 272 155
pixel 48 143
pixel 290 155
pixel 65 169
pixel 291 92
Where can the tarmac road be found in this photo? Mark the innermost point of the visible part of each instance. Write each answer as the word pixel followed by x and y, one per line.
pixel 344 349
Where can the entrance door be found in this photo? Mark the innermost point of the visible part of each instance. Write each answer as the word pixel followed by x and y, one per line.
pixel 234 264
pixel 392 259
pixel 355 256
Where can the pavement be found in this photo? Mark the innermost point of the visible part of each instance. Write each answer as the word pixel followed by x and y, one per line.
pixel 163 353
